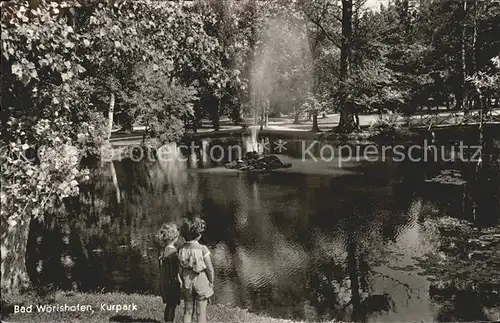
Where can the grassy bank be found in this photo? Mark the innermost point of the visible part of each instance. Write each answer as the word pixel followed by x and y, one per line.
pixel 149 308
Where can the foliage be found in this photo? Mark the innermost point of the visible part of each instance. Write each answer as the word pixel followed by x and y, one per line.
pixel 42 99
pixel 314 104
pixel 421 50
pixel 232 26
pixel 487 82
pixel 386 121
pixel 465 260
pixel 192 56
pixel 61 62
pixel 375 87
pixel 159 104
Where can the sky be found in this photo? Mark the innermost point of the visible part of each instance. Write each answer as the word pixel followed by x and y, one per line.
pixel 375 4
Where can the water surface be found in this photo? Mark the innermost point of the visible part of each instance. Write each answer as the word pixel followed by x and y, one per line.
pixel 313 242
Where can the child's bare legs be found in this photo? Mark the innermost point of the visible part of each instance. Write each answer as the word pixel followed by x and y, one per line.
pixel 169 313
pixel 201 311
pixel 188 311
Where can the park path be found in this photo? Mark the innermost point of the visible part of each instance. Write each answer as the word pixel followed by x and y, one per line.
pixel 445 118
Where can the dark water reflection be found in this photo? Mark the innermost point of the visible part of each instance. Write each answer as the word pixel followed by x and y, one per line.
pixel 313 242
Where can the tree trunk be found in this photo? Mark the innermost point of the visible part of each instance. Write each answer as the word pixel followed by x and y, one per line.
pixel 474 40
pixel 216 123
pixel 126 122
pixel 198 116
pixel 14 275
pixel 352 264
pixel 346 123
pixel 144 133
pixel 459 98
pixel 110 114
pixel 462 95
pixel 313 47
pixel 115 182
pixel 405 19
pixel 214 103
pixel 345 47
pixel 262 115
pixel 296 116
pixel 476 99
pixel 236 113
pixel 315 127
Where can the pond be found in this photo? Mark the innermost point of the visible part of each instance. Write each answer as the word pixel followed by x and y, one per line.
pixel 317 241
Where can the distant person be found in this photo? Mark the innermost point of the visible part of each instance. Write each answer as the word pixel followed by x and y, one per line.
pixel 170 283
pixel 196 271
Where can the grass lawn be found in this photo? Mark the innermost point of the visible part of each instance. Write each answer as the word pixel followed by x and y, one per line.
pixel 149 309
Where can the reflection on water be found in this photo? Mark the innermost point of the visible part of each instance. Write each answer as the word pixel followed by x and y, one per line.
pixel 307 244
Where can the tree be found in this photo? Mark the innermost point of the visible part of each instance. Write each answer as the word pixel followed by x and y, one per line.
pixel 314 106
pixel 486 83
pixel 159 104
pixel 42 100
pixel 342 24
pixel 234 36
pixel 65 65
pixel 460 42
pixel 346 123
pixel 216 72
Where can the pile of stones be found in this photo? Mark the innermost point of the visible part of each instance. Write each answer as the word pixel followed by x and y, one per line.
pixel 253 161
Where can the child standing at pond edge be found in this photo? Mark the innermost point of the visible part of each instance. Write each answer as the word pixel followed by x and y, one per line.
pixel 196 271
pixel 169 270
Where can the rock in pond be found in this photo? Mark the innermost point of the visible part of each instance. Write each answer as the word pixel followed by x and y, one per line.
pixel 253 161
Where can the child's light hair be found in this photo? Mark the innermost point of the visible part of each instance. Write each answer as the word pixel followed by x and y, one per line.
pixel 168 233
